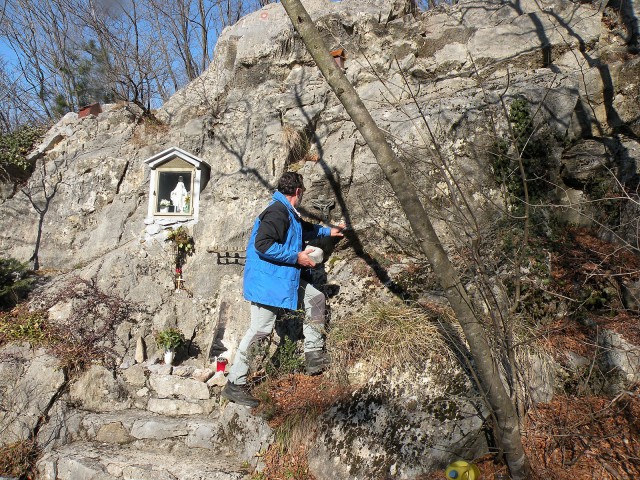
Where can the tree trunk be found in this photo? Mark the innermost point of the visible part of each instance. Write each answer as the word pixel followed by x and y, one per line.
pixel 507 431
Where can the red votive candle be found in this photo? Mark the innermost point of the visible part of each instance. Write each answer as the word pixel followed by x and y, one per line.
pixel 221 364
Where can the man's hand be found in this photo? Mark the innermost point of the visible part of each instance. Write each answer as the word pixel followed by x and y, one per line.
pixel 337 231
pixel 304 260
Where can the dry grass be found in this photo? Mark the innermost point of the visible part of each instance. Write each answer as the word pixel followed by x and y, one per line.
pixel 576 438
pixel 296 142
pixel 285 465
pixel 20 325
pixel 18 459
pixel 74 350
pixel 299 148
pixel 586 437
pixel 148 132
pixel 390 335
pixel 293 405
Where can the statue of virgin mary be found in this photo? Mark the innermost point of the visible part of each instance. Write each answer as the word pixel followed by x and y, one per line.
pixel 178 196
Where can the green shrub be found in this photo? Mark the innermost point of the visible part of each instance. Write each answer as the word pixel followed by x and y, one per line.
pixel 170 339
pixel 26 326
pixel 532 150
pixel 14 147
pixel 16 280
pixel 86 336
pixel 286 360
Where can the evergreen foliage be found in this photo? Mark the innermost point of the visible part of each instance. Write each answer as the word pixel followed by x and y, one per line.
pixel 16 280
pixel 14 147
pixel 286 360
pixel 88 77
pixel 170 339
pixel 525 145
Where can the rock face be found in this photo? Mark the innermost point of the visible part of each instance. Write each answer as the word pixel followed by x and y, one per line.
pixel 30 381
pixel 262 108
pixel 400 424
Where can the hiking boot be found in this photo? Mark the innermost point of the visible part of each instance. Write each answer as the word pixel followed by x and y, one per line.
pixel 316 362
pixel 237 394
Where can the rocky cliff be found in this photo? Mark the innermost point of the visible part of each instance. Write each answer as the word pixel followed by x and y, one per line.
pixel 440 84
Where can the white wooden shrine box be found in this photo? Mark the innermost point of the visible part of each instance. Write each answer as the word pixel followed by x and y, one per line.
pixel 175 182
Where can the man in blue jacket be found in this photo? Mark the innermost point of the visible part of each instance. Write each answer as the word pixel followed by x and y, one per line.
pixel 275 257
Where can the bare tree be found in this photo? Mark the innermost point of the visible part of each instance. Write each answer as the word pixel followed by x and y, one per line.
pixel 158 26
pixel 52 62
pixel 176 21
pixel 16 105
pixel 21 33
pixel 70 52
pixel 132 59
pixel 204 13
pixel 506 428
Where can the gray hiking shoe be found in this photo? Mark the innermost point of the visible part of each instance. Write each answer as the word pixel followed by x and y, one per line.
pixel 316 362
pixel 237 394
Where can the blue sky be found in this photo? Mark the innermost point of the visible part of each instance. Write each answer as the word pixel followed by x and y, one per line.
pixel 6 54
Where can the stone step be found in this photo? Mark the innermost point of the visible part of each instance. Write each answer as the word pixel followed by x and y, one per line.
pixel 130 426
pixel 138 387
pixel 228 430
pixel 108 461
pixel 172 386
pixel 169 394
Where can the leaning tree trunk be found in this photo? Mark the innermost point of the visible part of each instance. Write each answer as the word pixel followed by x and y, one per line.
pixel 507 429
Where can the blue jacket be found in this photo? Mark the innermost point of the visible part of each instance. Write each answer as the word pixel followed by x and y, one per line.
pixel 273 277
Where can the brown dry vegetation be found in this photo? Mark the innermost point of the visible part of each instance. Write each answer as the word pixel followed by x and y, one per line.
pixel 18 459
pixel 86 336
pixel 569 438
pixel 578 437
pixel 588 436
pixel 292 405
pixel 588 273
pixel 391 334
pixel 583 438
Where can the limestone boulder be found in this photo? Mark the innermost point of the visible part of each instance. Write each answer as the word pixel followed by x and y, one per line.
pixel 113 433
pixel 622 357
pixel 99 390
pixel 135 376
pixel 394 427
pixel 176 407
pixel 443 78
pixel 243 433
pixel 129 462
pixel 31 383
pixel 170 386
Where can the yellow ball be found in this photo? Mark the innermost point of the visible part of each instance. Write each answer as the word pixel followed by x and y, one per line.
pixel 461 470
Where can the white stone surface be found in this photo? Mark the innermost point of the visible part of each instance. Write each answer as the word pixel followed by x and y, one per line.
pixel 159 429
pixel 621 355
pixel 29 394
pixel 98 390
pixel 111 462
pixel 172 407
pixel 170 386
